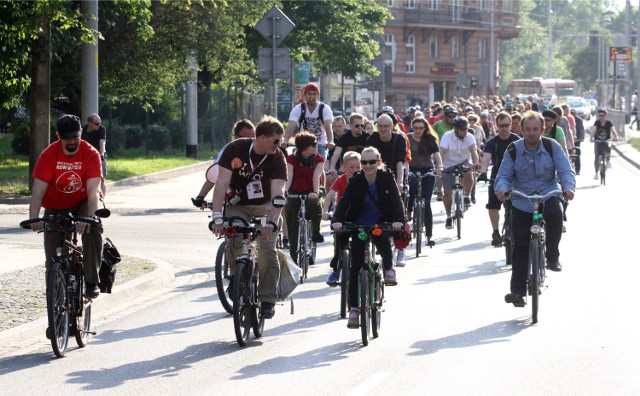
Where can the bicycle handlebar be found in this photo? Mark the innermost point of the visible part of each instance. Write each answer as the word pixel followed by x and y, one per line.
pixel 457 169
pixel 422 175
pixel 536 197
pixel 55 219
pixel 349 227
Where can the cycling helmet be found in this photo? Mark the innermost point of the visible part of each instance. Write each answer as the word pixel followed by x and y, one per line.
pixel 402 238
pixel 387 109
pixel 450 110
pixel 461 122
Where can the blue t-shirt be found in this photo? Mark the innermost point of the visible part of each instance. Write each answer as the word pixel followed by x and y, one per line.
pixel 370 213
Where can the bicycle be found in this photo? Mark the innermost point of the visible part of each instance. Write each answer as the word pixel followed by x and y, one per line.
pixel 370 281
pixel 457 203
pixel 418 211
pixel 68 308
pixel 536 265
pixel 604 153
pixel 246 306
pixel 507 233
pixel 306 251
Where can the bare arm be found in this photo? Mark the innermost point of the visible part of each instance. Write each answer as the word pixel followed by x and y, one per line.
pixel 328 127
pixel 317 172
pixel 288 133
pixel 337 152
pixel 486 158
pixel 400 174
pixel 102 145
pixel 220 189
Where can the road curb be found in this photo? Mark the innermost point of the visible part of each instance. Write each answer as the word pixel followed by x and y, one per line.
pixel 161 277
pixel 622 154
pixel 131 181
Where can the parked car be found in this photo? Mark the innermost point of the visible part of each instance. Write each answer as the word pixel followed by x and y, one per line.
pixel 594 105
pixel 582 107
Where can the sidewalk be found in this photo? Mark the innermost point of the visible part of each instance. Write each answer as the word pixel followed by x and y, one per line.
pixel 625 150
pixel 19 253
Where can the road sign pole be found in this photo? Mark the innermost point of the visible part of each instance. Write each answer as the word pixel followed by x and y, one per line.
pixel 274 80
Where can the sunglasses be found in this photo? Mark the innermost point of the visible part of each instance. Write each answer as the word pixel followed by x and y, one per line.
pixel 276 142
pixel 96 123
pixel 504 125
pixel 417 128
pixel 369 162
pixel 358 125
pixel 314 144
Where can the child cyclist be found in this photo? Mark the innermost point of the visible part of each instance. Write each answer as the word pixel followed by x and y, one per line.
pixel 304 169
pixel 371 197
pixel 350 164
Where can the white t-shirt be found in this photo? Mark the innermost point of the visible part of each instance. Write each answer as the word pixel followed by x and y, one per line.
pixel 457 149
pixel 312 120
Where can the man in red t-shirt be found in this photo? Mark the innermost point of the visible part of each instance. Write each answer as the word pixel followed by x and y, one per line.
pixel 67 179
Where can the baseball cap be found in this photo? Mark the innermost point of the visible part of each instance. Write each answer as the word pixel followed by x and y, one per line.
pixel 311 87
pixel 69 126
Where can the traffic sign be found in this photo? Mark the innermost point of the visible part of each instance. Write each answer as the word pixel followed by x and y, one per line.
pixel 621 69
pixel 278 30
pixel 265 63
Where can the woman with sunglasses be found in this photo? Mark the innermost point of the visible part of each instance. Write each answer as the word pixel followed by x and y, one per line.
pixel 425 152
pixel 371 197
pixel 304 168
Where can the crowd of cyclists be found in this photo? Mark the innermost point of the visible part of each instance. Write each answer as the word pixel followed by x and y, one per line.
pixel 359 171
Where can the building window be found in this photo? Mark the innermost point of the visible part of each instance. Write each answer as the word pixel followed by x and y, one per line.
pixel 482 49
pixel 482 5
pixel 507 6
pixel 433 46
pixel 409 3
pixel 389 51
pixel 411 54
pixel 390 3
pixel 432 4
pixel 455 48
pixel 455 10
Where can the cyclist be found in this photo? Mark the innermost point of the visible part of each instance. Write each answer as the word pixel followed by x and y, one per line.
pixel 458 147
pixel 256 171
pixel 66 179
pixel 304 168
pixel 552 130
pixel 426 156
pixel 535 170
pixel 242 129
pixel 602 130
pixel 313 116
pixel 96 134
pixel 579 138
pixel 440 127
pixel 493 152
pixel 354 139
pixel 350 164
pixel 371 197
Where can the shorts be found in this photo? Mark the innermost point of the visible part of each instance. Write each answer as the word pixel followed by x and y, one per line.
pixel 494 202
pixel 448 178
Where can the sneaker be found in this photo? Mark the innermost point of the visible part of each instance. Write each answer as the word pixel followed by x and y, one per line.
pixel 267 309
pixel 317 238
pixel 333 279
pixel 467 202
pixel 473 200
pixel 449 224
pixel 91 290
pixel 400 258
pixel 595 177
pixel 285 242
pixel 439 196
pixel 496 239
pixel 430 242
pixel 354 318
pixel 515 299
pixel 390 277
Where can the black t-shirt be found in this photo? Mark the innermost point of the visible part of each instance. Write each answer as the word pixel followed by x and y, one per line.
pixel 496 147
pixel 603 132
pixel 93 138
pixel 236 158
pixel 392 152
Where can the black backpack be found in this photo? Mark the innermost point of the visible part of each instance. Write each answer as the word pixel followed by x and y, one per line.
pixel 546 142
pixel 303 113
pixel 108 268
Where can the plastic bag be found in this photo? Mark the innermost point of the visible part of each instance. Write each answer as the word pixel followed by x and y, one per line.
pixel 289 276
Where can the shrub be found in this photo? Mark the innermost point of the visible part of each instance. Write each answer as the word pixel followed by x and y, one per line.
pixel 115 138
pixel 21 130
pixel 177 137
pixel 134 136
pixel 158 137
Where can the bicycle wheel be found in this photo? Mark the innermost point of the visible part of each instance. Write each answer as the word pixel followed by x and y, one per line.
pixel 222 278
pixel 344 263
pixel 303 256
pixel 534 286
pixel 603 169
pixel 458 215
pixel 242 309
pixel 82 324
pixel 376 305
pixel 365 307
pixel 58 309
pixel 419 220
pixel 257 320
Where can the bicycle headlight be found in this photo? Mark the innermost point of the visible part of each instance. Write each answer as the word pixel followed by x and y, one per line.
pixel 536 229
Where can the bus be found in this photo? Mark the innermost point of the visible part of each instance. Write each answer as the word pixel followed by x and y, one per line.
pixel 546 88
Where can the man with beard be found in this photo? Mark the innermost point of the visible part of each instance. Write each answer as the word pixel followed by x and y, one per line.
pixel 66 179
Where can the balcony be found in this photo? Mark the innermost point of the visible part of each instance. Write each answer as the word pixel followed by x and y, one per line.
pixel 422 14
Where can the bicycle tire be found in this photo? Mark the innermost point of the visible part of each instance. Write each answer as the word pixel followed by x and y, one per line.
pixel 603 169
pixel 242 320
pixel 365 307
pixel 82 324
pixel 257 320
pixel 302 250
pixel 534 286
pixel 222 278
pixel 458 215
pixel 420 218
pixel 58 309
pixel 345 262
pixel 376 305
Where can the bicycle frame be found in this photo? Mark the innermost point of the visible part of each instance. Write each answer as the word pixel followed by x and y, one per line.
pixel 418 209
pixel 305 244
pixel 457 200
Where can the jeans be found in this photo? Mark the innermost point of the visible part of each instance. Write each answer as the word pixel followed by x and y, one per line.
pixel 313 210
pixel 427 191
pixel 521 224
pixel 383 246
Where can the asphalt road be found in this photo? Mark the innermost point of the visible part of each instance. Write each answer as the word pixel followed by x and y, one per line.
pixel 445 330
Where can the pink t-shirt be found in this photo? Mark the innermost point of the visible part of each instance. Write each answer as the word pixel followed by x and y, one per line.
pixel 67 176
